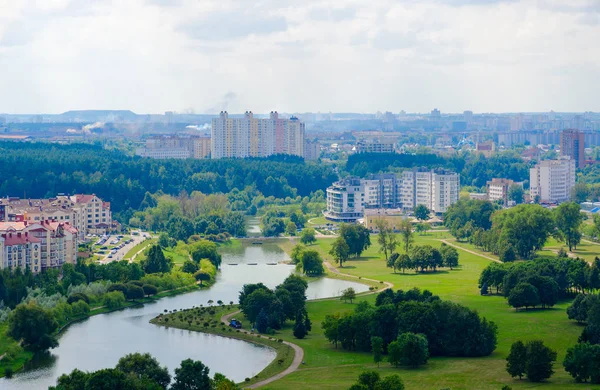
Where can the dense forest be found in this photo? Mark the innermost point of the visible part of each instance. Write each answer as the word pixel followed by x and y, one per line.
pixel 42 170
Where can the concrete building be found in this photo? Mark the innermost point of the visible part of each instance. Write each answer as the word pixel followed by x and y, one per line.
pixel 38 246
pixel 254 137
pixel 176 147
pixel 312 150
pixel 572 144
pixel 375 147
pixel 552 180
pixel 393 217
pixel 345 200
pixel 436 189
pixel 497 190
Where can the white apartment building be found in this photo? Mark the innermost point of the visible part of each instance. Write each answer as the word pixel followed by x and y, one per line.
pixel 254 137
pixel 436 189
pixel 552 180
pixel 176 147
pixel 497 190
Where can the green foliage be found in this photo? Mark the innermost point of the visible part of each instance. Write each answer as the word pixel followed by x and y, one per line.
pixel 568 219
pixel 517 359
pixel 386 237
pixel 290 228
pixel 540 359
pixel 163 240
pixel 189 267
pixel 476 213
pixel 583 362
pixel 308 236
pixel 580 307
pixel 348 295
pixel 426 257
pixel 406 234
pixel 156 261
pixel 134 292
pixel 369 379
pixel 114 299
pixel 524 295
pixel 144 367
pixel 300 331
pixel 205 250
pixel 377 348
pixel 516 193
pixel 409 350
pixel 149 289
pixel 340 250
pixel 34 326
pixel 191 375
pixel 311 263
pixel 449 256
pixel 422 212
pixel 357 237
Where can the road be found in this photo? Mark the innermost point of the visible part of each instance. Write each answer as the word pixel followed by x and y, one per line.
pixel 123 251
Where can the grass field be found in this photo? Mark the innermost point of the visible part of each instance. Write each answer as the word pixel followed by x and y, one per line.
pixel 142 245
pixel 330 368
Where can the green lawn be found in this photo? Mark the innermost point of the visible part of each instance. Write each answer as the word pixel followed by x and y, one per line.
pixel 138 247
pixel 329 368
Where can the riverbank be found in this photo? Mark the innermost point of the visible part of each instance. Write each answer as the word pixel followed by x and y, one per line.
pixel 19 357
pixel 201 320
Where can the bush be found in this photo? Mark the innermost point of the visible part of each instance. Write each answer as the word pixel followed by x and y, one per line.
pixel 114 299
pixel 150 290
pixel 8 372
pixel 134 292
pixel 409 350
pixel 78 297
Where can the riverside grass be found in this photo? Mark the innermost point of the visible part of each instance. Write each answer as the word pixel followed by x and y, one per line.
pixel 329 368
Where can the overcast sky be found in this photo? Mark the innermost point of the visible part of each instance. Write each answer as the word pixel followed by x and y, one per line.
pixel 151 56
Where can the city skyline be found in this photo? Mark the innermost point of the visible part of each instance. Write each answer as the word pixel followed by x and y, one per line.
pixel 156 56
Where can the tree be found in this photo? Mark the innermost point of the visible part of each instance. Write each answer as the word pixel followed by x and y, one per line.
pixel 156 261
pixel 202 276
pixel 108 379
pixel 300 330
pixel 340 250
pixel 404 262
pixel 34 325
pixel 163 240
pixel 468 212
pixel 369 379
pixel 524 295
pixel 377 347
pixel 262 321
pixel 386 237
pixel 539 361
pixel 391 382
pixel 583 362
pixel 391 261
pixel 357 238
pixel 296 254
pixel 189 267
pixel 114 299
pixel 149 289
pixel 144 366
pixel 348 295
pixel 409 350
pixel 312 263
pixel 192 375
pixel 568 219
pixel 516 193
pixel 308 236
pixel 580 192
pixel 579 309
pixel 205 249
pixel 422 212
pixel 449 256
pixel 134 292
pixel 517 359
pixel 406 234
pixel 76 380
pixel 290 228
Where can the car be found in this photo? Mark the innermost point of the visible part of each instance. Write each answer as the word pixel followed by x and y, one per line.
pixel 110 256
pixel 235 324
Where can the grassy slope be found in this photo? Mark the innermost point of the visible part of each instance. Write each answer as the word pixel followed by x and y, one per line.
pixel 327 367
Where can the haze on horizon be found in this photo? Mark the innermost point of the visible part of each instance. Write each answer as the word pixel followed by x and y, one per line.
pixel 298 56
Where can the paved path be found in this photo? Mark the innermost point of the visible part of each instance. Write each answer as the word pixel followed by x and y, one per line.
pixel 337 271
pixel 470 251
pixel 298 356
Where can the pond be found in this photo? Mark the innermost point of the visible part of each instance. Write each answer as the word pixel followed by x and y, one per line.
pixel 101 340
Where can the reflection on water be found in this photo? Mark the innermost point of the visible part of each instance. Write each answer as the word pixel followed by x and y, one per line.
pixel 100 341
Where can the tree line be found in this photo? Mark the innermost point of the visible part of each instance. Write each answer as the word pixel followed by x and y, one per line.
pixel 449 328
pixel 138 371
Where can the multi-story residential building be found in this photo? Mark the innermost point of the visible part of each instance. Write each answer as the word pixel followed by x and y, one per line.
pixel 86 213
pixel 345 200
pixel 176 147
pixel 572 145
pixel 436 189
pixel 552 180
pixel 375 147
pixel 38 246
pixel 256 137
pixel 312 150
pixel 497 190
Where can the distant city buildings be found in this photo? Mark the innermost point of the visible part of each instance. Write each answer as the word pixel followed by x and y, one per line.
pixel 552 180
pixel 497 190
pixel 375 146
pixel 572 145
pixel 254 137
pixel 312 149
pixel 177 147
pixel 348 199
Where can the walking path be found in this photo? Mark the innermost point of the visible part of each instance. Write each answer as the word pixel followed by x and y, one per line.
pixel 337 271
pixel 298 356
pixel 470 251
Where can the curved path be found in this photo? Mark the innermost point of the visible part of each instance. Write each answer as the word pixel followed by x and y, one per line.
pixel 298 356
pixel 298 351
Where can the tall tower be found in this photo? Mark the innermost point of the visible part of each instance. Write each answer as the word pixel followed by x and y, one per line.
pixel 572 145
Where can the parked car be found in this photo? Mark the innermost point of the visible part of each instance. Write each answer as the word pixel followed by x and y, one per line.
pixel 235 324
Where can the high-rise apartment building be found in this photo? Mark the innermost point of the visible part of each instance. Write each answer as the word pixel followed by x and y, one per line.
pixel 437 189
pixel 552 180
pixel 256 137
pixel 572 145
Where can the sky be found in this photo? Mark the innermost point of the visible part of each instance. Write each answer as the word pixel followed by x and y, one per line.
pixel 204 56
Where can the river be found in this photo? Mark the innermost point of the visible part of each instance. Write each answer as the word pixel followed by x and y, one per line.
pixel 99 341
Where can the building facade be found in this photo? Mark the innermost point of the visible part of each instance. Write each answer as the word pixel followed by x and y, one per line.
pixel 345 200
pixel 572 144
pixel 256 137
pixel 497 190
pixel 436 189
pixel 175 147
pixel 552 180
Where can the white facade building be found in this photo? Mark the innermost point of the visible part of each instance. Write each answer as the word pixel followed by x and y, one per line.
pixel 436 189
pixel 254 137
pixel 552 180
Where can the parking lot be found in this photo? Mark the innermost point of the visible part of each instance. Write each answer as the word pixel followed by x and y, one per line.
pixel 114 247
